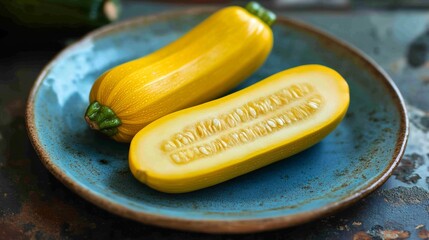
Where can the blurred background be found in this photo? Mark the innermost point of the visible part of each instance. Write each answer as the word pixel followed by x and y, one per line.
pixel 33 204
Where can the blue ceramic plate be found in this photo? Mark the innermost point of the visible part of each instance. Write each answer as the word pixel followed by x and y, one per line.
pixel 347 165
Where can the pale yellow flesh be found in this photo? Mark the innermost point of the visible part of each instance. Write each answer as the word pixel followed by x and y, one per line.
pixel 171 170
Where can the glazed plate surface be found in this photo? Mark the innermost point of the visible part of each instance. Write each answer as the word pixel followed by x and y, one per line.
pixel 347 165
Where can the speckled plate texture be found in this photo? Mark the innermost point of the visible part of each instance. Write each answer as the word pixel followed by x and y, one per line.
pixel 347 165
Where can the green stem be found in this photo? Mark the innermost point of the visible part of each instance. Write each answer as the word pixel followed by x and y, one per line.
pixel 102 118
pixel 262 13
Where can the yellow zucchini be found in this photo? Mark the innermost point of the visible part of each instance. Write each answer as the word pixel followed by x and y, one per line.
pixel 203 64
pixel 219 140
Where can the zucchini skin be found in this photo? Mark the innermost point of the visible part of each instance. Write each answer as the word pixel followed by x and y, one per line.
pixel 205 63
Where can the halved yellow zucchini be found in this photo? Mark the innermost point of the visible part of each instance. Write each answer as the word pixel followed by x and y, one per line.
pixel 219 140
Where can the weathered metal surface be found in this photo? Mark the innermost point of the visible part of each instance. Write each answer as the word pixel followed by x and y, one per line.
pixel 33 204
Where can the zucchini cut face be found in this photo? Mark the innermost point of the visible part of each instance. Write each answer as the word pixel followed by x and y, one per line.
pixel 213 142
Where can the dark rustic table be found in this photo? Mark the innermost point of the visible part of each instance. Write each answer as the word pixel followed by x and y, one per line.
pixel 33 204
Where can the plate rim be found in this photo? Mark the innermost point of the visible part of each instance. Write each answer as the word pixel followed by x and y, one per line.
pixel 220 226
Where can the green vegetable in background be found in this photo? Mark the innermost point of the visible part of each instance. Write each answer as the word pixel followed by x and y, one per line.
pixel 59 13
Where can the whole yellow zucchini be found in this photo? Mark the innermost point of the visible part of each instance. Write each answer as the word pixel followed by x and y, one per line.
pixel 219 140
pixel 203 64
